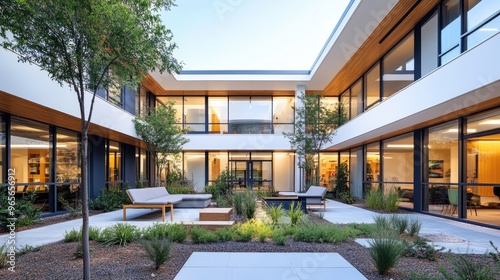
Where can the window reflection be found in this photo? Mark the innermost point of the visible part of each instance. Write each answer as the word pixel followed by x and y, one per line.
pixel 399 67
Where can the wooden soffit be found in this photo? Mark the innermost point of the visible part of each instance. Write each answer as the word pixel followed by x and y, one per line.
pixel 386 35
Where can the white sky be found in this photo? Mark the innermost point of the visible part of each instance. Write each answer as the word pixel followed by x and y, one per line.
pixel 252 34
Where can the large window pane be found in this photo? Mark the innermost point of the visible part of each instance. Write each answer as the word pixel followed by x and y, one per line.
pixel 194 113
pixel 250 115
pixel 142 167
pixel 372 169
pixel 283 114
pixel 217 163
pixel 484 32
pixel 114 164
pixel 194 167
pixel 30 156
pixel 429 46
pixel 372 86
pixel 443 153
pixel 356 99
pixel 345 99
pixel 483 122
pixel 450 22
pixel 217 114
pixel 177 106
pixel 328 169
pixel 68 168
pixel 479 10
pixel 398 154
pixel 399 67
pixel 283 168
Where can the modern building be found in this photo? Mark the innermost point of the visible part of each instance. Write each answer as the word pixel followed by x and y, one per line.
pixel 420 80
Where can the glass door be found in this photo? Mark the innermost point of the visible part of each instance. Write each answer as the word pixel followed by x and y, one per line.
pixel 250 174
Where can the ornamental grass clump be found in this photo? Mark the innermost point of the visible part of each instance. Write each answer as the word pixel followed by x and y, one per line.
pixel 238 202
pixel 158 251
pixel 275 212
pixel 120 234
pixel 250 204
pixel 386 251
pixel 295 213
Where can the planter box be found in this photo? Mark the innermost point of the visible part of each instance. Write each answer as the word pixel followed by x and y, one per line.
pixel 286 201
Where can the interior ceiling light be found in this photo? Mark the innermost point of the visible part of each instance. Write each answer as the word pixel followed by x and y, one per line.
pixel 454 130
pixel 400 146
pixel 492 121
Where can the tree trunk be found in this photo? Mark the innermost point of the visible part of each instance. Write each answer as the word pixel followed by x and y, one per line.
pixel 85 207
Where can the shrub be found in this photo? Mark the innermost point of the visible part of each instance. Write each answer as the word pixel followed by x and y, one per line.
pixel 72 236
pixel 201 235
pixel 26 212
pixel 120 234
pixel 220 187
pixel 250 204
pixel 399 223
pixel 386 252
pixel 279 236
pixel 3 255
pixel 375 199
pixel 275 212
pixel 243 234
pixel 110 200
pixel 238 202
pixel 295 213
pixel 177 232
pixel 419 248
pixel 158 251
pixel 225 233
pixel 414 227
pixel 465 268
pixel 346 197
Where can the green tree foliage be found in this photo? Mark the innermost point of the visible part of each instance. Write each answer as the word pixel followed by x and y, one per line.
pixel 89 45
pixel 315 124
pixel 164 137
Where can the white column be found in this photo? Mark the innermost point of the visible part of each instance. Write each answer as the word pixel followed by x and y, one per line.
pixel 299 173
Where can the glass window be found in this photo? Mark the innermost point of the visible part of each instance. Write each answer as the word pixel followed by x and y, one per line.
pixel 481 164
pixel 450 25
pixel 217 114
pixel 450 55
pixel 399 68
pixel 398 165
pixel 479 10
pixel 114 164
pixel 31 157
pixel 483 122
pixel 429 46
pixel 484 32
pixel 217 163
pixel 372 172
pixel 194 167
pixel 115 95
pixel 283 114
pixel 177 106
pixel 283 168
pixel 142 167
pixel 141 104
pixel 345 98
pixel 356 99
pixel 68 167
pixel 372 86
pixel 328 168
pixel 250 115
pixel 443 153
pixel 194 113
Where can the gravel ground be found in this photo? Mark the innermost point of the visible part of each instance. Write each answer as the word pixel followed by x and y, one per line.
pixel 56 261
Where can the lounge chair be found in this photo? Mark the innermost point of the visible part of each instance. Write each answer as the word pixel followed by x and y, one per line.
pixel 158 197
pixel 315 195
pixel 151 198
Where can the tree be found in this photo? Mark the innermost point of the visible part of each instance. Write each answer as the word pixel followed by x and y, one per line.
pixel 315 124
pixel 163 136
pixel 89 45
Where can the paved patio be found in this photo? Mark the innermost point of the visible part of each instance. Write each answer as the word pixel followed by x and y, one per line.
pixel 455 236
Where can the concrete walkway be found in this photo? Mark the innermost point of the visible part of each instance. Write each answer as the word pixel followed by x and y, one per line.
pixel 455 236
